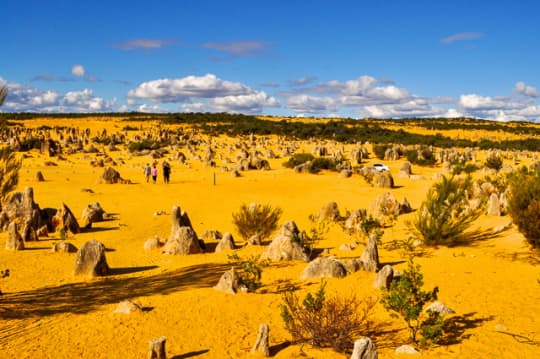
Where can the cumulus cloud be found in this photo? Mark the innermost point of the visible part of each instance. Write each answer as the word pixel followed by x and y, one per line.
pixel 311 104
pixel 26 98
pixel 77 70
pixel 180 89
pixel 461 36
pixel 245 48
pixel 146 44
pixel 416 107
pixel 526 90
pixel 208 92
pixel 252 103
pixel 304 80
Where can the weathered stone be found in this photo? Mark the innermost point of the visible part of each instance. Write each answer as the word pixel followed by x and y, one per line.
pixel 324 267
pixel 111 176
pixel 286 245
pixel 40 177
pixel 226 243
pixel 92 213
pixel 261 344
pixel 179 219
pixel 211 235
pixel 127 307
pixel 345 173
pixel 406 168
pixel 64 218
pixel 14 241
pixel 493 206
pixel 439 307
pixel 91 260
pixel 183 241
pixel 22 209
pixel 364 348
pixel 370 256
pixel 328 212
pixel 255 240
pixel 353 265
pixel 63 246
pixel 384 277
pixel 156 348
pixel 355 219
pixel 383 180
pixel 405 207
pixel 229 282
pixel 153 243
pixel 29 233
pixel 385 205
pixel 406 349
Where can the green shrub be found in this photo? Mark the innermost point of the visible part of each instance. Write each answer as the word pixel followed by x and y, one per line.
pixel 464 168
pixel 494 162
pixel 422 156
pixel 298 159
pixel 406 299
pixel 444 215
pixel 249 271
pixel 380 150
pixel 256 219
pixel 524 204
pixel 326 322
pixel 9 172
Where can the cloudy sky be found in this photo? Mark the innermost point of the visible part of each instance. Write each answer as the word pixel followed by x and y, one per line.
pixel 294 58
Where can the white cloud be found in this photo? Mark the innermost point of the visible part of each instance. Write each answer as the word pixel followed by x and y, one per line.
pixel 25 98
pixel 194 107
pixel 146 44
pixel 416 107
pixel 252 103
pixel 238 48
pixel 311 104
pixel 474 102
pixel 78 70
pixel 304 80
pixel 180 89
pixel 526 90
pixel 150 108
pixel 461 36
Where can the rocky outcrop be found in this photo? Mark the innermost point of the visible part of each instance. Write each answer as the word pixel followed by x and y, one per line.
pixel 261 344
pixel 324 267
pixel 370 256
pixel 91 260
pixel 286 245
pixel 111 176
pixel 183 239
pixel 226 243
pixel 383 180
pixel 92 213
pixel 364 348
pixel 14 241
pixel 328 212
pixel 230 283
pixel 63 246
pixel 64 218
pixel 384 277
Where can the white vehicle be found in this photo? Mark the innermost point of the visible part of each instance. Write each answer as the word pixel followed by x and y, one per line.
pixel 379 167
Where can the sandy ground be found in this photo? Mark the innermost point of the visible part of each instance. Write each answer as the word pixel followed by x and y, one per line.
pixel 47 313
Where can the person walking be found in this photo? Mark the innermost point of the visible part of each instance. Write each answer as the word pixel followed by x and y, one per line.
pixel 147 172
pixel 166 171
pixel 154 173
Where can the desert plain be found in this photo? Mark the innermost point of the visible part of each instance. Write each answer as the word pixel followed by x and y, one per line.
pixel 46 312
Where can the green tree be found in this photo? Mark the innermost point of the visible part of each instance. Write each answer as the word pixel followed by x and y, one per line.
pixel 406 299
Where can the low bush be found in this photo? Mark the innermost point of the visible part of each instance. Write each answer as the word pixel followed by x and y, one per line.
pixel 494 162
pixel 406 299
pixel 256 219
pixel 445 214
pixel 326 322
pixel 524 204
pixel 249 270
pixel 380 151
pixel 298 159
pixel 422 156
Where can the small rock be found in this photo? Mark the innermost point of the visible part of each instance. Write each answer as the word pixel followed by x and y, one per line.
pixel 364 348
pixel 128 307
pixel 440 308
pixel 406 349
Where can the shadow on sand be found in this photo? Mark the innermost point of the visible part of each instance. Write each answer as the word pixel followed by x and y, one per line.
pixel 191 354
pixel 84 297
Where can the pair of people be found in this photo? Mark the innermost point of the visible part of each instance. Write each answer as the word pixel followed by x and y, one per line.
pixel 153 172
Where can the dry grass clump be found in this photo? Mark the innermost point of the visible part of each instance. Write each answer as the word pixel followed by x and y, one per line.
pixel 256 219
pixel 323 322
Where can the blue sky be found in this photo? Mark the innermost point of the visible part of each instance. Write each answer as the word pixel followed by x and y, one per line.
pixel 292 58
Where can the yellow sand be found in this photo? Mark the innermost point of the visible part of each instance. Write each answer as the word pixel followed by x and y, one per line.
pixel 48 313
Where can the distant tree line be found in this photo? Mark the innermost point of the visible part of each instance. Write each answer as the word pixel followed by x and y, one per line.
pixel 346 130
